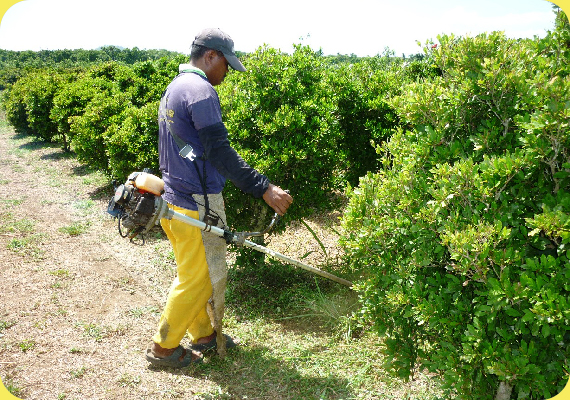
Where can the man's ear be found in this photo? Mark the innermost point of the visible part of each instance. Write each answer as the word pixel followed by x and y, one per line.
pixel 209 55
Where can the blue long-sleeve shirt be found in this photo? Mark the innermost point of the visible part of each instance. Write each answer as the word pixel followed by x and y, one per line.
pixel 190 107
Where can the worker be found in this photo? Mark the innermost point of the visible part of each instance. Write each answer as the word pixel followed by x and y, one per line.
pixel 195 160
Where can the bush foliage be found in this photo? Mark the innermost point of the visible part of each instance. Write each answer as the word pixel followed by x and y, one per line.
pixel 462 237
pixel 282 121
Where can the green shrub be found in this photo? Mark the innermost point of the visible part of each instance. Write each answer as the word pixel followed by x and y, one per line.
pixel 42 86
pixel 78 106
pixel 71 101
pixel 132 145
pixel 14 104
pixel 89 130
pixel 29 101
pixel 9 76
pixel 364 116
pixel 462 237
pixel 281 119
pixel 151 79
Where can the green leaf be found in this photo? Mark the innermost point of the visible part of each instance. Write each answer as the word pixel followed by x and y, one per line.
pixel 545 330
pixel 512 312
pixel 553 105
pixel 482 310
pixel 528 316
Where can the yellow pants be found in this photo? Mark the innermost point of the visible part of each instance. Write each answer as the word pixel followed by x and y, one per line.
pixel 186 306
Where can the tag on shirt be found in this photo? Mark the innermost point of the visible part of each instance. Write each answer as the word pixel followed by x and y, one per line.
pixel 188 152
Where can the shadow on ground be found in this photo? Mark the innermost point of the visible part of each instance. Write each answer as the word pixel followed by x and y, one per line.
pixel 252 373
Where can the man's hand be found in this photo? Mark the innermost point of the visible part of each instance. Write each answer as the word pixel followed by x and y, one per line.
pixel 277 198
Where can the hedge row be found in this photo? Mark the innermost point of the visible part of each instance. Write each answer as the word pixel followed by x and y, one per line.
pixel 15 64
pixel 462 238
pixel 305 122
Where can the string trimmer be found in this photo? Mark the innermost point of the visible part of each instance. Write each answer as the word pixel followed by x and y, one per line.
pixel 138 207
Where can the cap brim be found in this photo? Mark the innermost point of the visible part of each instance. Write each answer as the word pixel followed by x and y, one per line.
pixel 235 63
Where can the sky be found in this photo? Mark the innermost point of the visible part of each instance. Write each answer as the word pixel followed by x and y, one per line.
pixel 361 27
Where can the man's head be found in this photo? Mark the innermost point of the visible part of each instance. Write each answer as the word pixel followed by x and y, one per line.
pixel 215 39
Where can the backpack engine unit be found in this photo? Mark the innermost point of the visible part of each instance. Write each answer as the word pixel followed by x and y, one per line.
pixel 137 204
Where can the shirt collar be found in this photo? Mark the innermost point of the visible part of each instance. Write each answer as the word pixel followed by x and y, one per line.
pixel 191 68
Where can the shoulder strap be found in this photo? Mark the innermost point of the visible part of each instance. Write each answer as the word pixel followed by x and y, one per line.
pixel 184 149
pixel 187 151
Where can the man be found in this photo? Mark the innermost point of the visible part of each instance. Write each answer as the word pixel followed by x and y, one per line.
pixel 195 160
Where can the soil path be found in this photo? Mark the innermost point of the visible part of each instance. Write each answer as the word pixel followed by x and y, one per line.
pixel 78 303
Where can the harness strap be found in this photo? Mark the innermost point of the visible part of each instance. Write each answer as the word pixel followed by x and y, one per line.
pixel 202 179
pixel 187 151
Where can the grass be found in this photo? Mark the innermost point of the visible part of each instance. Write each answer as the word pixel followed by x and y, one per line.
pixel 60 273
pixel 124 283
pixel 93 331
pixel 128 380
pixel 11 202
pixel 78 373
pixel 99 333
pixel 302 341
pixel 139 312
pixel 22 226
pixel 332 310
pixel 8 223
pixel 294 359
pixel 57 285
pixel 294 364
pixel 84 207
pixel 28 246
pixel 75 229
pixel 6 325
pixel 163 259
pixel 12 387
pixel 25 241
pixel 26 345
pixel 60 312
pixel 95 178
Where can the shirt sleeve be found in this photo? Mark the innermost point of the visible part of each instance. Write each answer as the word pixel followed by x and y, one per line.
pixel 205 110
pixel 229 163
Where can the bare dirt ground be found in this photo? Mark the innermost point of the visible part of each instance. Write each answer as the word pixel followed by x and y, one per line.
pixel 78 303
pixel 79 308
